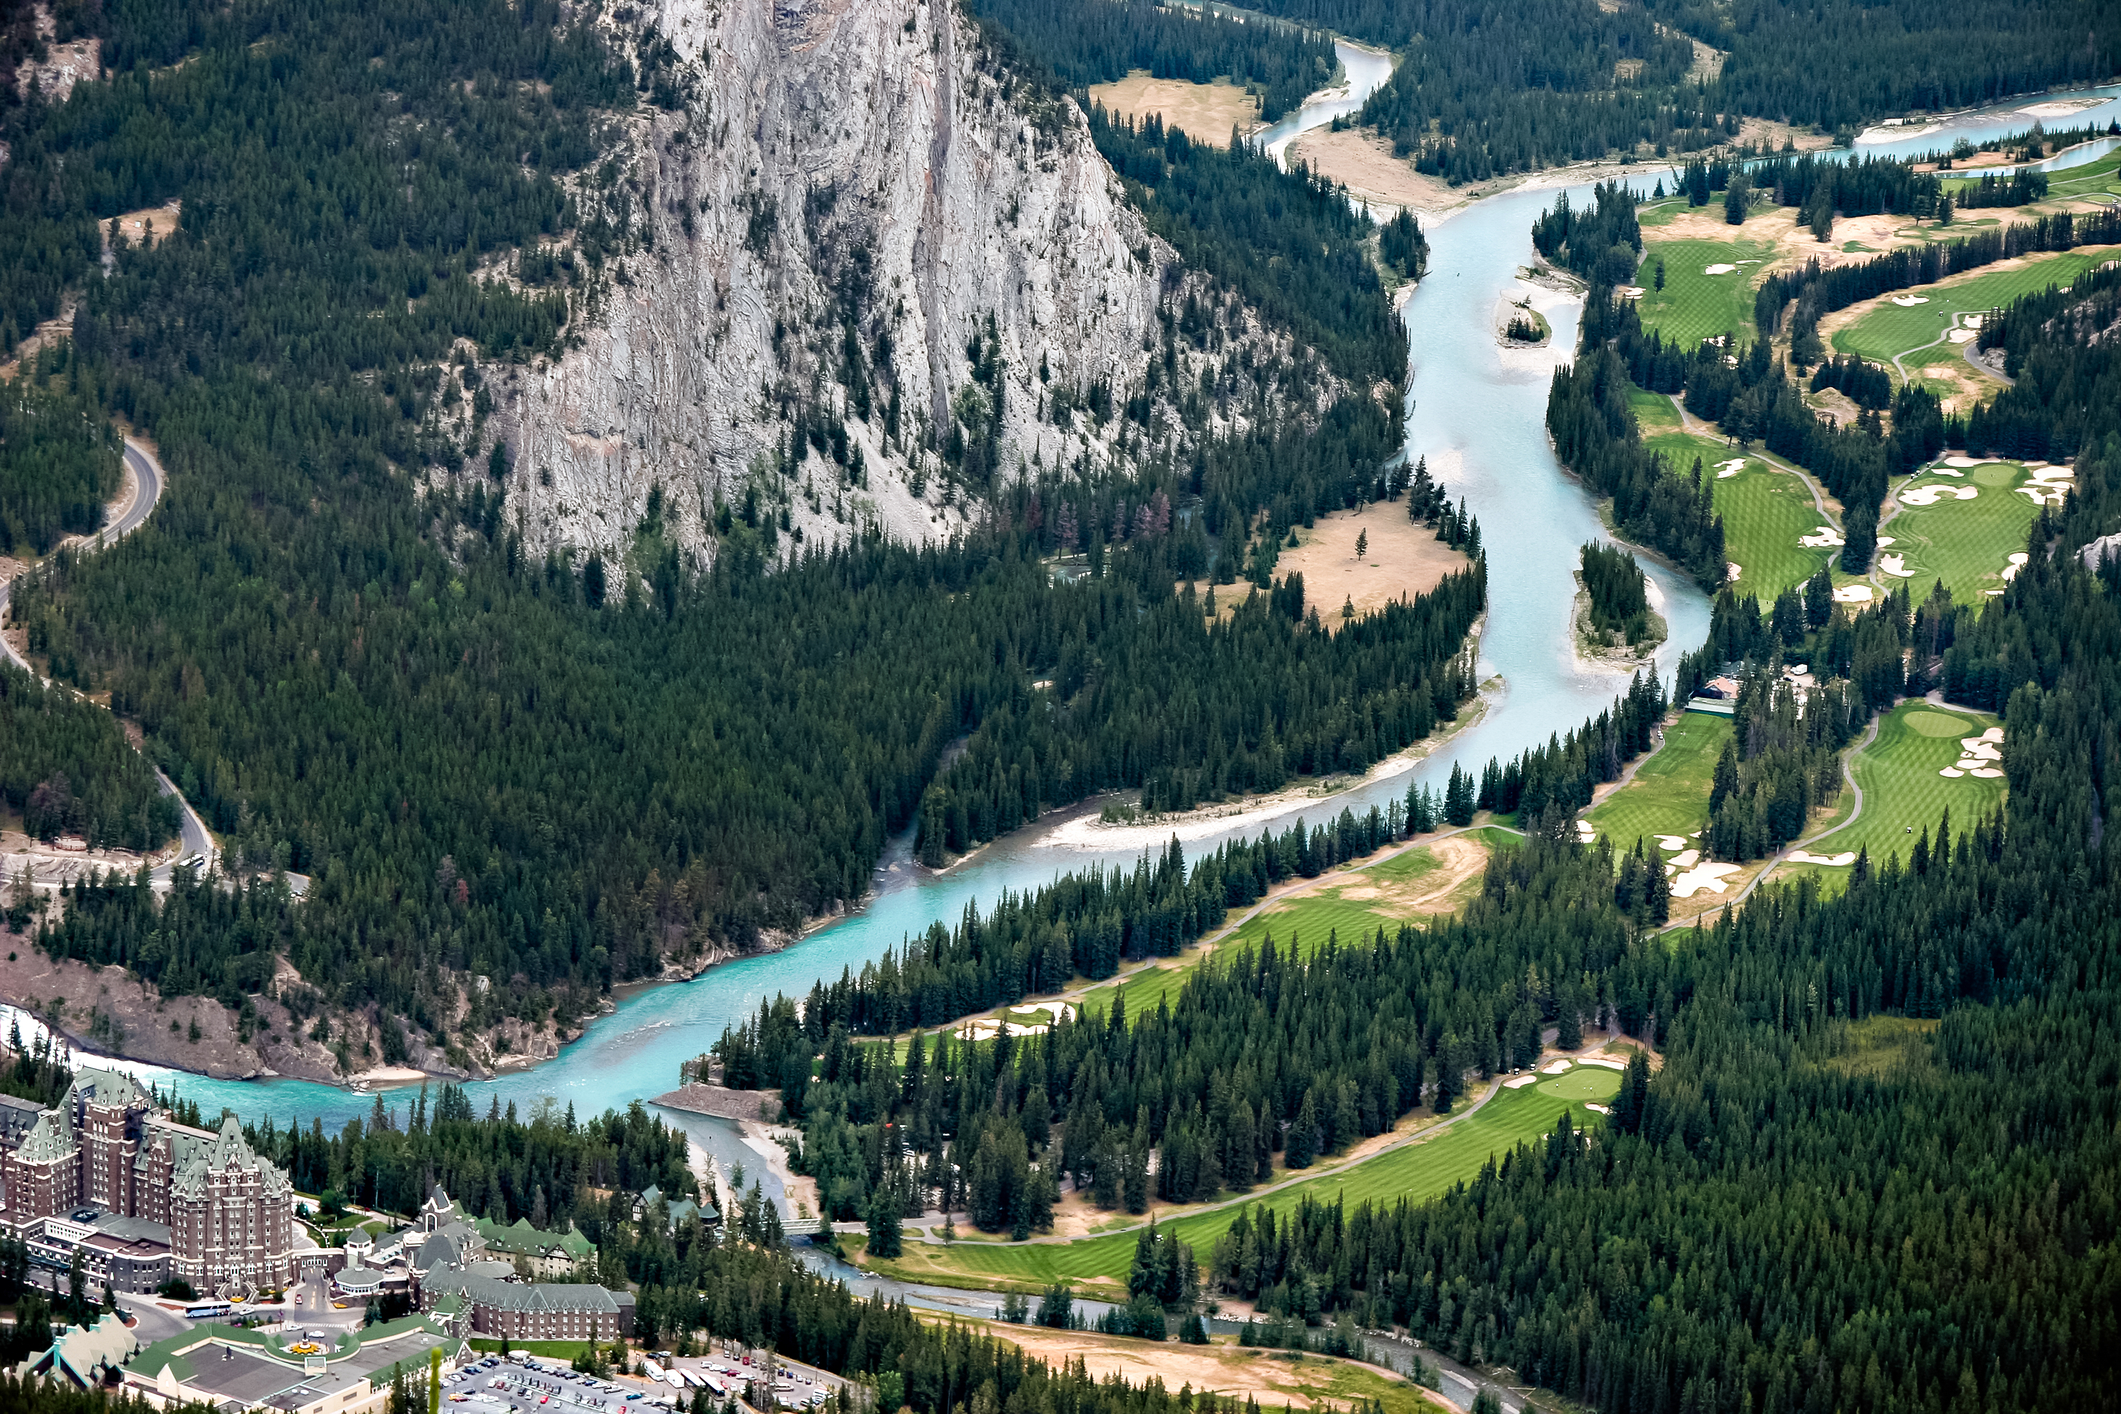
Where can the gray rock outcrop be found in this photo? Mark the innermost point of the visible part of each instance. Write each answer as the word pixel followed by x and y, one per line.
pixel 852 202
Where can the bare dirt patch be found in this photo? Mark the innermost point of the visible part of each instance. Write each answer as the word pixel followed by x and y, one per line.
pixel 1362 161
pixel 1227 1370
pixel 1205 112
pixel 1461 858
pixel 147 227
pixel 1833 404
pixel 1766 132
pixel 103 1009
pixel 1401 560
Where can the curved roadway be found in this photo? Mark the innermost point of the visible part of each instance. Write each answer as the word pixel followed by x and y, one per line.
pixel 149 479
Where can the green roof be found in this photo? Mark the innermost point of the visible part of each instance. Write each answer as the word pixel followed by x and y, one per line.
pixel 520 1237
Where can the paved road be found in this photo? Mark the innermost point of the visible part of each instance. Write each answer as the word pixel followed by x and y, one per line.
pixel 149 481
pixel 1971 352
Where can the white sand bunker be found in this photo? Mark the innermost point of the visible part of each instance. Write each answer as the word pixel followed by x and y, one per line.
pixel 1520 1082
pixel 1931 495
pixel 1910 301
pixel 1729 468
pixel 1594 1106
pixel 1733 571
pixel 1685 859
pixel 1718 269
pixel 1896 566
pixel 1853 594
pixel 1671 842
pixel 1602 1061
pixel 1965 461
pixel 1979 756
pixel 1824 537
pixel 1702 878
pixel 1941 470
pixel 2047 485
pixel 1885 540
pixel 1559 1067
pixel 1584 831
pixel 2010 571
pixel 1963 336
pixel 1834 861
pixel 1972 321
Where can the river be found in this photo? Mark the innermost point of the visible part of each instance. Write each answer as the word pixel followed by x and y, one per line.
pixel 1475 410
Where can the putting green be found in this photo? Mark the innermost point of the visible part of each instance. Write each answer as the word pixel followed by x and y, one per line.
pixel 1935 724
pixel 1996 474
pixel 1585 1082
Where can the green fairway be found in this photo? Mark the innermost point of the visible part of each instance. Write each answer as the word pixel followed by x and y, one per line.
pixel 1890 328
pixel 1426 880
pixel 1408 886
pixel 1414 1171
pixel 1765 512
pixel 1965 543
pixel 2094 178
pixel 1903 793
pixel 1669 794
pixel 1693 305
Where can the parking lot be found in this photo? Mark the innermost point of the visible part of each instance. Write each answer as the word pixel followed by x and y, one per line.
pixel 493 1385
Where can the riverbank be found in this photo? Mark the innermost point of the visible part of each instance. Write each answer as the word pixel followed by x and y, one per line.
pixel 1090 832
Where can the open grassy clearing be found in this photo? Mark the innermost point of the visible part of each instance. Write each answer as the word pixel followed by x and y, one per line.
pixel 1765 512
pixel 1205 112
pixel 1965 543
pixel 1879 1046
pixel 1416 1171
pixel 1902 790
pixel 1886 328
pixel 1694 303
pixel 1669 794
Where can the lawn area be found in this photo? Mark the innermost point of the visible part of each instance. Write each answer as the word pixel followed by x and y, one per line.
pixel 1890 328
pixel 1693 305
pixel 1765 512
pixel 1415 1171
pixel 1669 794
pixel 1964 543
pixel 551 1349
pixel 1902 790
pixel 1654 413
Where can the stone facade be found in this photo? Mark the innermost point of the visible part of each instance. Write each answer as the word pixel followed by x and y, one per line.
pixel 229 1212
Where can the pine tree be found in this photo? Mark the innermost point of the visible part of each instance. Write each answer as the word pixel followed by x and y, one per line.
pixel 1301 1145
pixel 884 1232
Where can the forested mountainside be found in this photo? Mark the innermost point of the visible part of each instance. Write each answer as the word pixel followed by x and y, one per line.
pixel 351 639
pixel 1874 1171
pixel 1482 91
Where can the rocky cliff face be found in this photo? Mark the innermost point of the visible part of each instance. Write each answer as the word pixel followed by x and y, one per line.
pixel 866 268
